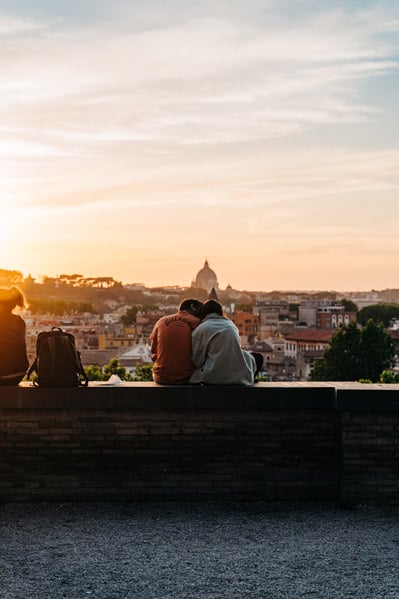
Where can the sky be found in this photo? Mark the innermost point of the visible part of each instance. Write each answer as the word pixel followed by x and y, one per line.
pixel 138 139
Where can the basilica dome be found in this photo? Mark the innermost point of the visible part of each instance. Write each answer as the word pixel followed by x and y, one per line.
pixel 206 279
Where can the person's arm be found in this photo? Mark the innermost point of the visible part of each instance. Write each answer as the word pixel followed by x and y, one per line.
pixel 199 348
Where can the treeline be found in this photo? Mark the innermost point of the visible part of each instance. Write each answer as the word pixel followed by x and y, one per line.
pixel 379 313
pixel 130 315
pixel 95 373
pixel 59 307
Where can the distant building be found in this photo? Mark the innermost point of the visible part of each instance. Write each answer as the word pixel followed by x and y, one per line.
pixel 145 322
pixel 118 338
pixel 307 340
pixel 139 354
pixel 324 316
pixel 213 295
pixel 271 313
pixel 331 317
pixel 247 324
pixel 231 293
pixel 206 279
pixel 306 346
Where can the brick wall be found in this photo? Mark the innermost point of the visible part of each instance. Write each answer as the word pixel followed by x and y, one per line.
pixel 370 444
pixel 287 441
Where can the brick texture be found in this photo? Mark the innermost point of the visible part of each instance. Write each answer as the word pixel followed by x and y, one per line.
pixel 141 441
pixel 137 441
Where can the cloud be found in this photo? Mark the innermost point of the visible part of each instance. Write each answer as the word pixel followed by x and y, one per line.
pixel 188 108
pixel 204 80
pixel 17 26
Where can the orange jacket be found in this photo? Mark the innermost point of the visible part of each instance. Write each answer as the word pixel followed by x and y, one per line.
pixel 171 348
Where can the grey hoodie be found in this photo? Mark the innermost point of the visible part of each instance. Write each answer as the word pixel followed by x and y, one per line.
pixel 217 354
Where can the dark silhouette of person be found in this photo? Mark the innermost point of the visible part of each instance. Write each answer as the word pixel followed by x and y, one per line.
pixel 13 357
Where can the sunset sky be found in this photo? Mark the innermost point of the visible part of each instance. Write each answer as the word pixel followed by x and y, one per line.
pixel 140 138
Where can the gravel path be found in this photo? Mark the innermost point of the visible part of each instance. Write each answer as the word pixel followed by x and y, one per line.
pixel 201 551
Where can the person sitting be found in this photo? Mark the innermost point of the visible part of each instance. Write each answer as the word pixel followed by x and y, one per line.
pixel 217 352
pixel 13 356
pixel 171 344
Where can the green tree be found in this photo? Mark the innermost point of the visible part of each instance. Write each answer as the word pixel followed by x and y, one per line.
pixel 94 372
pixel 59 307
pixel 377 350
pixel 356 353
pixel 129 316
pixel 349 305
pixel 379 313
pixel 387 376
pixel 144 373
pixel 114 367
pixel 8 278
pixel 341 361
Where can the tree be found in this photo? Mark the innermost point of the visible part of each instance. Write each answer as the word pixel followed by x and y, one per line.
pixel 379 313
pixel 349 305
pixel 377 350
pixel 387 376
pixel 144 373
pixel 341 360
pixel 114 367
pixel 129 317
pixel 94 372
pixel 356 353
pixel 59 307
pixel 8 278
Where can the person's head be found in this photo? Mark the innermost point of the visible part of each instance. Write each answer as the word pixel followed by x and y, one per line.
pixel 11 298
pixel 211 307
pixel 192 306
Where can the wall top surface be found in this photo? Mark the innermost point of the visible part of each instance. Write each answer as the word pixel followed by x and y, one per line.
pixel 262 396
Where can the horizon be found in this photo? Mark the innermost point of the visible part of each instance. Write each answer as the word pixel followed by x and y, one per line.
pixel 39 279
pixel 139 138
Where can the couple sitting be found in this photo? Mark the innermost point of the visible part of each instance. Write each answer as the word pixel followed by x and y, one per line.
pixel 200 345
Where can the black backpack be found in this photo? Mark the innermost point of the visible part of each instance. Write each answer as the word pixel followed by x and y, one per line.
pixel 57 362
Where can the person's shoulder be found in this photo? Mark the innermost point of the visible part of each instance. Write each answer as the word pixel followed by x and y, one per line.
pixel 193 317
pixel 16 318
pixel 167 317
pixel 12 320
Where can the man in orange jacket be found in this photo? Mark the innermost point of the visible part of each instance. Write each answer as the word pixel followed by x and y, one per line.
pixel 171 344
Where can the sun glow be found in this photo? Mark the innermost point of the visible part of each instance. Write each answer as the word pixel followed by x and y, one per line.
pixel 263 138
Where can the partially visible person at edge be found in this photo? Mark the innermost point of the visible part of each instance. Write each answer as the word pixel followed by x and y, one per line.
pixel 13 357
pixel 171 344
pixel 217 352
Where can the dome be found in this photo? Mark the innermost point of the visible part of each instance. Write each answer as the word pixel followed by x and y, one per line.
pixel 206 278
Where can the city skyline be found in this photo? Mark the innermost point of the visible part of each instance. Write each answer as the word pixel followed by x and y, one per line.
pixel 138 140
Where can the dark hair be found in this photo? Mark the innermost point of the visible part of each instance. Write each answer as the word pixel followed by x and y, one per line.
pixel 191 305
pixel 10 298
pixel 211 307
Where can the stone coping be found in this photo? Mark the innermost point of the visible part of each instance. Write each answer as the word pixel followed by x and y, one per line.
pixel 331 396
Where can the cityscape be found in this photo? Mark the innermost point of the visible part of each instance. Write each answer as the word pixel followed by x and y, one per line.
pixel 112 321
pixel 242 154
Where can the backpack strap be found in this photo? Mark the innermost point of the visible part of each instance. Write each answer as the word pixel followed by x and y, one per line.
pixel 83 376
pixel 33 368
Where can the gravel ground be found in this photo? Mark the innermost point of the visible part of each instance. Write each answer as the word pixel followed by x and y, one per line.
pixel 202 551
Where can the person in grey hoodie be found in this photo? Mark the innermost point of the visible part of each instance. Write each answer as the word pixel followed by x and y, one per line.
pixel 217 353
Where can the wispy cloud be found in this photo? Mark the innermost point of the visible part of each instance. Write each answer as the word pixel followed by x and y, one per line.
pixel 201 81
pixel 233 106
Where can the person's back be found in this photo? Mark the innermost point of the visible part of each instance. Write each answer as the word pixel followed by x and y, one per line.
pixel 171 344
pixel 217 351
pixel 13 358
